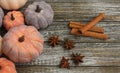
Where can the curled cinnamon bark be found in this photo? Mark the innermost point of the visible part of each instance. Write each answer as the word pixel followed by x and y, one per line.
pixel 75 31
pixel 80 25
pixel 92 23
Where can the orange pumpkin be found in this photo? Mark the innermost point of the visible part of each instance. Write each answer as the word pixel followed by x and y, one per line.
pixel 22 43
pixel 7 66
pixel 13 19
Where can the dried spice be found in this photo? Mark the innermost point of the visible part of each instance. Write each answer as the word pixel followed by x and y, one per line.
pixel 54 40
pixel 79 25
pixel 68 44
pixel 89 30
pixel 92 34
pixel 64 63
pixel 77 58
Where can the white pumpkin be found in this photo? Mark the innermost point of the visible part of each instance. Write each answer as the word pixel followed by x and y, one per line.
pixel 0 45
pixel 12 4
pixel 39 14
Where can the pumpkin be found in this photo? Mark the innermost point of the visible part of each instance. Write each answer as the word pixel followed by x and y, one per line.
pixel 13 19
pixel 39 15
pixel 22 44
pixel 0 45
pixel 1 16
pixel 12 4
pixel 7 66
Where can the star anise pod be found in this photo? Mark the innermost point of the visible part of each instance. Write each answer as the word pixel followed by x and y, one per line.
pixel 68 44
pixel 77 58
pixel 64 63
pixel 54 40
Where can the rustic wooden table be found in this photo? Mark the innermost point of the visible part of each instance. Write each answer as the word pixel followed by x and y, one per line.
pixel 101 56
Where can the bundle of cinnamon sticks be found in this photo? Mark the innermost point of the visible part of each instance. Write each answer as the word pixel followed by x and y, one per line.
pixel 89 30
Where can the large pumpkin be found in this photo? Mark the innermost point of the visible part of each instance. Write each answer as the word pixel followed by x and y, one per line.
pixel 12 4
pixel 1 16
pixel 22 44
pixel 13 19
pixel 7 66
pixel 39 14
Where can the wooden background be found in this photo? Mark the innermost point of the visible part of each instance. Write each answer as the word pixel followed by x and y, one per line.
pixel 101 56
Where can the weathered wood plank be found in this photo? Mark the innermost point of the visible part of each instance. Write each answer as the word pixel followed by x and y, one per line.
pixel 83 11
pixel 62 29
pixel 85 4
pixel 41 69
pixel 96 54
pixel 113 1
pixel 105 53
pixel 86 13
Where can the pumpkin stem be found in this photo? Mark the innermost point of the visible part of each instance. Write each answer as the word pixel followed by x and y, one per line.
pixel 21 39
pixel 12 17
pixel 37 9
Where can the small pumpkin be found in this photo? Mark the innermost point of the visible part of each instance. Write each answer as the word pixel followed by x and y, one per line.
pixel 39 15
pixel 7 66
pixel 0 45
pixel 12 4
pixel 13 19
pixel 22 44
pixel 1 16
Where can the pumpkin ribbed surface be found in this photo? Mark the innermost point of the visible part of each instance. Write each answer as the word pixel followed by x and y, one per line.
pixel 39 15
pixel 13 19
pixel 12 4
pixel 22 43
pixel 1 16
pixel 7 66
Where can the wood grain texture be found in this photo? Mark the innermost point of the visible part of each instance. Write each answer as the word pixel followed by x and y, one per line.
pixel 101 56
pixel 62 29
pixel 41 69
pixel 84 10
pixel 96 54
pixel 103 52
pixel 72 1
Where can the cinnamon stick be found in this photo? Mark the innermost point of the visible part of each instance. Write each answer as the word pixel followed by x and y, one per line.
pixel 92 23
pixel 80 25
pixel 75 31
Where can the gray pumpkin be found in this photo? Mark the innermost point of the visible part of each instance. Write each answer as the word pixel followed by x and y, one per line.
pixel 39 14
pixel 1 16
